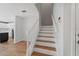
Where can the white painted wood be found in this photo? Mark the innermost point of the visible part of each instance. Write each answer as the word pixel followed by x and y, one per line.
pixel 48 31
pixel 32 36
pixel 46 39
pixel 46 27
pixel 50 27
pixel 58 25
pixel 73 51
pixel 42 34
pixel 46 44
pixel 45 51
pixel 77 29
pixel 19 31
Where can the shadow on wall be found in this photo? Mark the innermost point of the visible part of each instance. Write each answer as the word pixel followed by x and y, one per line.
pixel 45 11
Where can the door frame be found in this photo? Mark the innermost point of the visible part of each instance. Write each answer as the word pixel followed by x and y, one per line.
pixel 73 29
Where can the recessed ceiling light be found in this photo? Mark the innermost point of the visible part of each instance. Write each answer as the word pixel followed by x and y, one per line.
pixel 23 11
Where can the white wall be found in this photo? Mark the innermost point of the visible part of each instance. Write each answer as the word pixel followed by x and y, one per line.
pixel 25 22
pixel 19 29
pixel 38 5
pixel 9 11
pixel 6 14
pixel 67 29
pixel 45 13
pixel 30 22
pixel 58 12
pixel 73 29
pixel 64 27
pixel 30 17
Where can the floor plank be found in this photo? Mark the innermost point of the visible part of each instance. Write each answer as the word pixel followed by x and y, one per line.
pixel 38 54
pixel 45 47
pixel 11 49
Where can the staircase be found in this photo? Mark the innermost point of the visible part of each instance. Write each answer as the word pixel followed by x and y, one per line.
pixel 46 42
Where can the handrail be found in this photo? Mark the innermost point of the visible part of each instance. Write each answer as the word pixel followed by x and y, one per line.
pixel 54 22
pixel 32 36
pixel 56 32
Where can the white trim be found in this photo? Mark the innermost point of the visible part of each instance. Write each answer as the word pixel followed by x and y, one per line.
pixel 73 18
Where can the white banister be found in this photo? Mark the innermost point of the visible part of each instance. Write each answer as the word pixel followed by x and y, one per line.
pixel 54 24
pixel 32 36
pixel 55 31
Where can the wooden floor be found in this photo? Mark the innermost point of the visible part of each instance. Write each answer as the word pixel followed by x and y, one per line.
pixel 11 49
pixel 38 54
pixel 43 47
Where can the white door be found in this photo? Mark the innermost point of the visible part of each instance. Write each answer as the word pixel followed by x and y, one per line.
pixel 77 29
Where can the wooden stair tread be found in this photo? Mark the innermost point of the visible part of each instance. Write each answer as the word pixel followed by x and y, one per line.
pixel 46 36
pixel 38 54
pixel 46 44
pixel 46 26
pixel 45 41
pixel 45 47
pixel 47 32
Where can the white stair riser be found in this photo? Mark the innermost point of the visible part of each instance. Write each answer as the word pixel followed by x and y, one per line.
pixel 46 44
pixel 45 51
pixel 42 34
pixel 47 26
pixel 46 39
pixel 46 29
